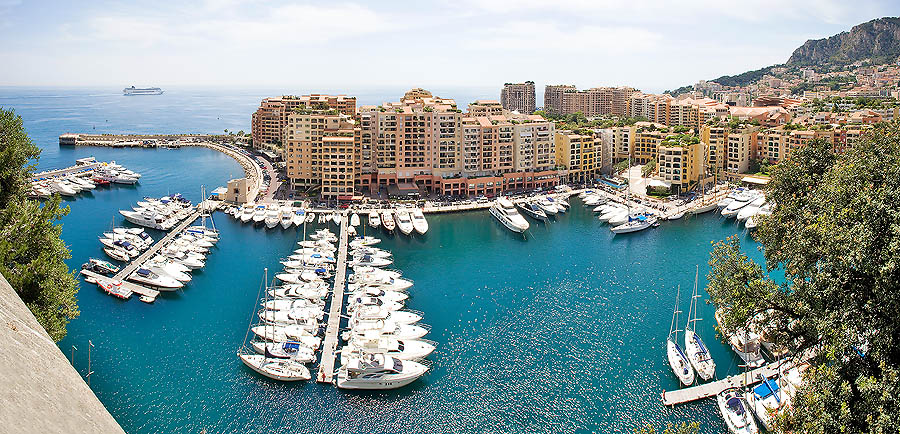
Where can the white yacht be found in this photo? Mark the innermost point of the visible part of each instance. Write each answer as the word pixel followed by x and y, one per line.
pixel 62 188
pixel 287 333
pixel 403 349
pixel 294 351
pixel 387 220
pixel 419 222
pixel 356 301
pixel 117 254
pixel 382 294
pixel 273 216
pixel 148 277
pixel 372 312
pixel 548 207
pixel 374 220
pixel 404 222
pixel 387 328
pixel 367 240
pixel 149 219
pixel 696 350
pixel 504 211
pixel 773 395
pixel 613 212
pixel 142 91
pixel 530 208
pixel 751 209
pixel 739 201
pixel 678 361
pixel 634 224
pixel 290 304
pixel 247 212
pixel 378 371
pixel 370 260
pixel 734 410
pixel 561 205
pixel 287 217
pixel 316 290
pixel 354 219
pixel 259 214
pixel 275 368
pixel 164 269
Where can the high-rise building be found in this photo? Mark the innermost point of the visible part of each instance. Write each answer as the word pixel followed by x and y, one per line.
pixel 576 155
pixel 322 149
pixel 483 107
pixel 518 97
pixel 680 160
pixel 565 99
pixel 268 121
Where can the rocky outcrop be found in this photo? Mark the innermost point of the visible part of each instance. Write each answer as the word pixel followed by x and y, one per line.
pixel 878 39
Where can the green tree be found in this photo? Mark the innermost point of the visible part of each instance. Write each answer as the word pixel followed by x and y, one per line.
pixel 835 233
pixel 32 256
pixel 649 168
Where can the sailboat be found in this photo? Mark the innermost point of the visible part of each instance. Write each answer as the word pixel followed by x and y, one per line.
pixel 677 359
pixel 269 365
pixel 634 223
pixel 696 350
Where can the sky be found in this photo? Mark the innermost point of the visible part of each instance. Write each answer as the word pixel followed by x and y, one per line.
pixel 652 45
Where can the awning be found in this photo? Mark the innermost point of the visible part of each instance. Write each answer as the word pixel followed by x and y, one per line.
pixel 755 180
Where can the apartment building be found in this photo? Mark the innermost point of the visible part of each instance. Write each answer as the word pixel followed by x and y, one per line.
pixel 576 156
pixel 518 97
pixel 680 161
pixel 485 108
pixel 741 149
pixel 645 141
pixel 716 139
pixel 655 108
pixel 317 144
pixel 267 123
pixel 566 99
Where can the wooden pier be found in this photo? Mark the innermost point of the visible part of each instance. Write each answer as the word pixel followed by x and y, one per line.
pixel 157 246
pixel 707 390
pixel 326 363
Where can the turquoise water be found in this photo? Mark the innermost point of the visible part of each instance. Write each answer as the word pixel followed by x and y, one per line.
pixel 563 332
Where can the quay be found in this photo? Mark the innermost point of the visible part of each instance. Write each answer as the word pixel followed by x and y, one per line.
pixel 85 164
pixel 707 390
pixel 329 346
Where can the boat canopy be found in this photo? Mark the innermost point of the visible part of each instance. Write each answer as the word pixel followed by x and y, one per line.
pixel 766 388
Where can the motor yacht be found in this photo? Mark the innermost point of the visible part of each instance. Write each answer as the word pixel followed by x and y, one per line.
pixel 545 205
pixel 561 205
pixel 121 245
pixel 117 254
pixel 247 212
pixel 316 290
pixel 364 241
pixel 751 209
pixel 358 301
pixel 276 368
pixel 745 343
pixel 62 188
pixel 504 211
pixel 191 261
pixel 273 216
pixel 149 219
pixel 100 266
pixel 387 220
pixel 372 251
pixel 404 222
pixel 738 202
pixel 287 217
pixel 383 294
pixel 420 224
pixel 290 304
pixel 403 349
pixel 532 210
pixel 259 214
pixel 387 328
pixel 374 220
pixel 372 312
pixel 307 317
pixel 378 371
pixel 354 220
pixel 370 260
pixel 362 270
pixel 733 408
pixel 148 277
pixel 298 219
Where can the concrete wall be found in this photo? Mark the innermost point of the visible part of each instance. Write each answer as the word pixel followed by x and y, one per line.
pixel 40 392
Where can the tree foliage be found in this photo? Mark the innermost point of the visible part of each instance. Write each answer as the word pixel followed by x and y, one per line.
pixel 684 428
pixel 32 256
pixel 835 233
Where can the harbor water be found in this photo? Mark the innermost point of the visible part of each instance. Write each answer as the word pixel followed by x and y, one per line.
pixel 560 331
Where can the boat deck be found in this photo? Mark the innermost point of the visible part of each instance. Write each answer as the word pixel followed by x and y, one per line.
pixel 707 390
pixel 329 346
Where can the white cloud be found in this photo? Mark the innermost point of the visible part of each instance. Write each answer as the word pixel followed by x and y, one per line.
pixel 548 37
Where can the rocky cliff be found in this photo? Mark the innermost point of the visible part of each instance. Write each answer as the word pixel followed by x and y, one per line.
pixel 878 39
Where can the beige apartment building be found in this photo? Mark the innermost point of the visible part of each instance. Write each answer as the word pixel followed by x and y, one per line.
pixel 680 162
pixel 741 149
pixel 576 156
pixel 716 139
pixel 320 143
pixel 268 121
pixel 483 107
pixel 566 99
pixel 518 97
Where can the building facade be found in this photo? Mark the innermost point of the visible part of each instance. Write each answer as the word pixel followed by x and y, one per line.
pixel 518 97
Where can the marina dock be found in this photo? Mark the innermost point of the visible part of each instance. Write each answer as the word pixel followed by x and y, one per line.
pixel 66 171
pixel 329 346
pixel 707 390
pixel 135 288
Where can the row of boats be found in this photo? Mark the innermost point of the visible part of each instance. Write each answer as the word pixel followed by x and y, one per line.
pixel 746 206
pixel 404 220
pixel 742 410
pixel 161 214
pixel 384 346
pixel 271 215
pixel 83 180
pixel 168 270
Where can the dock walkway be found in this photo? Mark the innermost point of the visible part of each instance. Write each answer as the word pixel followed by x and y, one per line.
pixel 326 363
pixel 156 247
pixel 707 390
pixel 54 173
pixel 135 288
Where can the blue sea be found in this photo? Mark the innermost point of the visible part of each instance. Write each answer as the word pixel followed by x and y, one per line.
pixel 563 332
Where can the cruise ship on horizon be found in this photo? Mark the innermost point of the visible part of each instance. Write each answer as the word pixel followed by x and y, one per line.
pixel 142 91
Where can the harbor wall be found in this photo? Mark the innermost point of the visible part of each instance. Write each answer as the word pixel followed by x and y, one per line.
pixel 41 391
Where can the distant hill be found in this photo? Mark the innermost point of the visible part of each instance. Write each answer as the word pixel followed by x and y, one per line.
pixel 878 40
